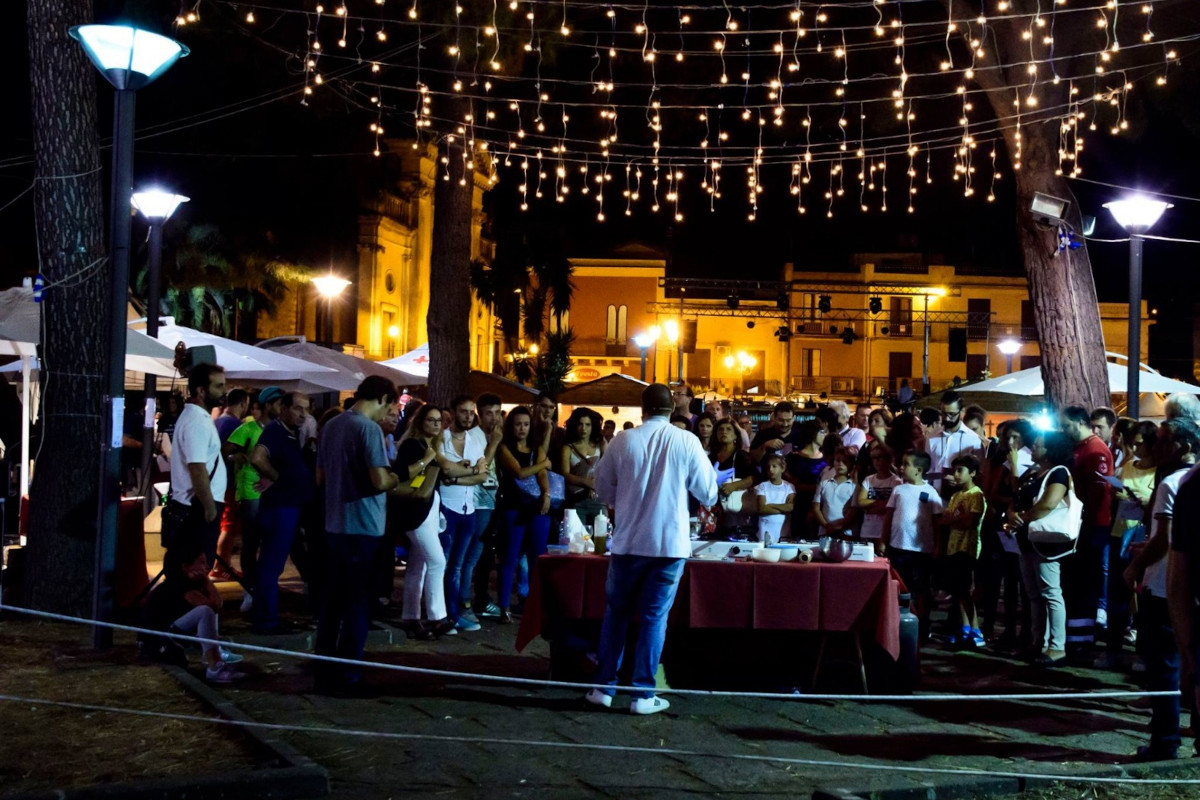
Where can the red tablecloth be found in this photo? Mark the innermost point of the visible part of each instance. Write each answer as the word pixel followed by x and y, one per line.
pixel 851 596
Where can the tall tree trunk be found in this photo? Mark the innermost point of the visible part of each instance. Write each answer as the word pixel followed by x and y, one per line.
pixel 69 216
pixel 1061 285
pixel 449 314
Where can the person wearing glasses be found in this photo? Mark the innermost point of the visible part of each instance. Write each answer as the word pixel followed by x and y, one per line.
pixel 955 440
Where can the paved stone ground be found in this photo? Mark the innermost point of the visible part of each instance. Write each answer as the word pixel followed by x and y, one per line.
pixel 478 740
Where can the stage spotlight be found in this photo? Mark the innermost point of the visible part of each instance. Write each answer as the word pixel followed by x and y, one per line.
pixel 733 300
pixel 824 303
pixel 876 305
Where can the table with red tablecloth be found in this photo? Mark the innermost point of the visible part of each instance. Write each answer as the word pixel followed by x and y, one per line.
pixel 853 596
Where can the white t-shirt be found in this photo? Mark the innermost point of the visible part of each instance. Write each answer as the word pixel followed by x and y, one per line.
pixel 913 509
pixel 853 437
pixel 879 487
pixel 196 442
pixel 773 523
pixel 1154 579
pixel 946 447
pixel 461 499
pixel 833 497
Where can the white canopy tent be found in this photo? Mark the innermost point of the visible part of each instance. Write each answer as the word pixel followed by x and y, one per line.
pixel 350 369
pixel 21 331
pixel 1028 382
pixel 414 362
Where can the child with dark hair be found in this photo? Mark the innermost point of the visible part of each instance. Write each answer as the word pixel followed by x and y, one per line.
pixel 775 500
pixel 964 517
pixel 913 513
pixel 187 602
pixel 835 493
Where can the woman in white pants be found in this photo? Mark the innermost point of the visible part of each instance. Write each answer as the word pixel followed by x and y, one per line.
pixel 416 465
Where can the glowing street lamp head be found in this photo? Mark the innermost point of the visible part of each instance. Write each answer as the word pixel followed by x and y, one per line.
pixel 128 57
pixel 729 362
pixel 393 331
pixel 157 205
pixel 643 340
pixel 671 328
pixel 1137 213
pixel 936 291
pixel 330 285
pixel 1008 347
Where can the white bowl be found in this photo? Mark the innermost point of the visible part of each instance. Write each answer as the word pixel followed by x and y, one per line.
pixel 787 552
pixel 766 555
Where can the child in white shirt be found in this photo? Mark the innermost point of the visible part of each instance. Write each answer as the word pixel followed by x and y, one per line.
pixel 775 497
pixel 829 505
pixel 873 495
pixel 913 512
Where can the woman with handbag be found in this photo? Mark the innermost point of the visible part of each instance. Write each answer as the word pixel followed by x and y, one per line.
pixel 1045 490
pixel 524 516
pixel 578 459
pixel 420 515
pixel 735 474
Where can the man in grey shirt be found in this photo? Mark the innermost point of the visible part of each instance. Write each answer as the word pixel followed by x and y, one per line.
pixel 352 468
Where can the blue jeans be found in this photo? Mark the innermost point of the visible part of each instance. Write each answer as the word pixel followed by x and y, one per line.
pixel 647 586
pixel 278 528
pixel 456 541
pixel 1156 641
pixel 483 518
pixel 345 607
pixel 522 535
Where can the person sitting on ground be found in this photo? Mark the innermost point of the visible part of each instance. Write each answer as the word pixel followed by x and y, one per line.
pixel 775 499
pixel 187 602
pixel 964 516
pixel 914 512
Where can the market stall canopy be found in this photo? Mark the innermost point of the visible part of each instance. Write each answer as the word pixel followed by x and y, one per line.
pixel 1028 382
pixel 509 392
pixel 610 390
pixel 20 332
pixel 414 362
pixel 252 365
pixel 350 368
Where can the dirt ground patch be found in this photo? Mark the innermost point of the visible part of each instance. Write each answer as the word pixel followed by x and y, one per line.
pixel 50 747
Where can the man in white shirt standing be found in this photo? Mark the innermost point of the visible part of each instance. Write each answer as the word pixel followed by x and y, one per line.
pixel 955 440
pixel 198 478
pixel 645 475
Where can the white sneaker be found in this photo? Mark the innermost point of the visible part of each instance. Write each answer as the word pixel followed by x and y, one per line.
pixel 222 673
pixel 648 705
pixel 599 698
pixel 247 603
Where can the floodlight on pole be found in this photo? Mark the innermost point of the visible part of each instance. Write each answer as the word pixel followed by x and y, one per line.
pixel 156 205
pixel 1009 348
pixel 1137 215
pixel 330 287
pixel 129 58
pixel 643 342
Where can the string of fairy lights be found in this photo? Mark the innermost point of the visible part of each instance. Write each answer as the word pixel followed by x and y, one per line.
pixel 637 103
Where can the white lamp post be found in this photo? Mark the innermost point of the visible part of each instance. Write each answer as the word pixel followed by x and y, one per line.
pixel 1137 215
pixel 129 58
pixel 157 206
pixel 1009 348
pixel 643 341
pixel 330 287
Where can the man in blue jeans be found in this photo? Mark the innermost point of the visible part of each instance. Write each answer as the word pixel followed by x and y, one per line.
pixel 645 475
pixel 352 467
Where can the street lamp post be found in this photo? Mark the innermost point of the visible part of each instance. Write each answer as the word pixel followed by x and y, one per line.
pixel 1009 348
pixel 935 292
pixel 330 287
pixel 157 206
pixel 129 58
pixel 1137 215
pixel 671 329
pixel 393 333
pixel 643 342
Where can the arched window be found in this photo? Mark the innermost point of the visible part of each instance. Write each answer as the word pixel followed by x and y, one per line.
pixel 610 325
pixel 560 322
pixel 617 323
pixel 622 321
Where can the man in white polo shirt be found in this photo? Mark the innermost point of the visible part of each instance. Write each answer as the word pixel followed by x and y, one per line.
pixel 645 475
pixel 955 440
pixel 198 477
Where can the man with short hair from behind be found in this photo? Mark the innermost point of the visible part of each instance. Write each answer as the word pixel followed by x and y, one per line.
pixel 646 475
pixel 1084 571
pixel 198 478
pixel 353 470
pixel 1182 404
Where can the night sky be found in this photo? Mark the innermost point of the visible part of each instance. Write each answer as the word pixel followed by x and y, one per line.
pixel 298 171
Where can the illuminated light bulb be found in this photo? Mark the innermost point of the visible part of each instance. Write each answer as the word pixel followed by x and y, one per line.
pixel 316 45
pixel 341 11
pixel 250 17
pixel 381 35
pixel 412 13
pixel 341 42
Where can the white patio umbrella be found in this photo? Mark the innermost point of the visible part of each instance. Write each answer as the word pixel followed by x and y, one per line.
pixel 350 369
pixel 414 362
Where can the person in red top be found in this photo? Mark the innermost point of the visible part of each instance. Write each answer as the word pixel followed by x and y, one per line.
pixel 1084 572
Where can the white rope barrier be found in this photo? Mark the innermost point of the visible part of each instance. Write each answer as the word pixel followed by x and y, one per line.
pixel 592 747
pixel 540 683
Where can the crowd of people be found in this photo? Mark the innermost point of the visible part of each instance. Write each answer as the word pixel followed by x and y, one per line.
pixel 468 491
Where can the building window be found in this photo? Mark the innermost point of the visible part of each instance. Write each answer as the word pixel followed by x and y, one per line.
pixel 615 329
pixel 979 317
pixel 810 362
pixel 389 282
pixel 900 316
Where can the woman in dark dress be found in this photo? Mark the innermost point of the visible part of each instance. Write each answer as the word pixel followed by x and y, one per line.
pixel 804 466
pixel 525 521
